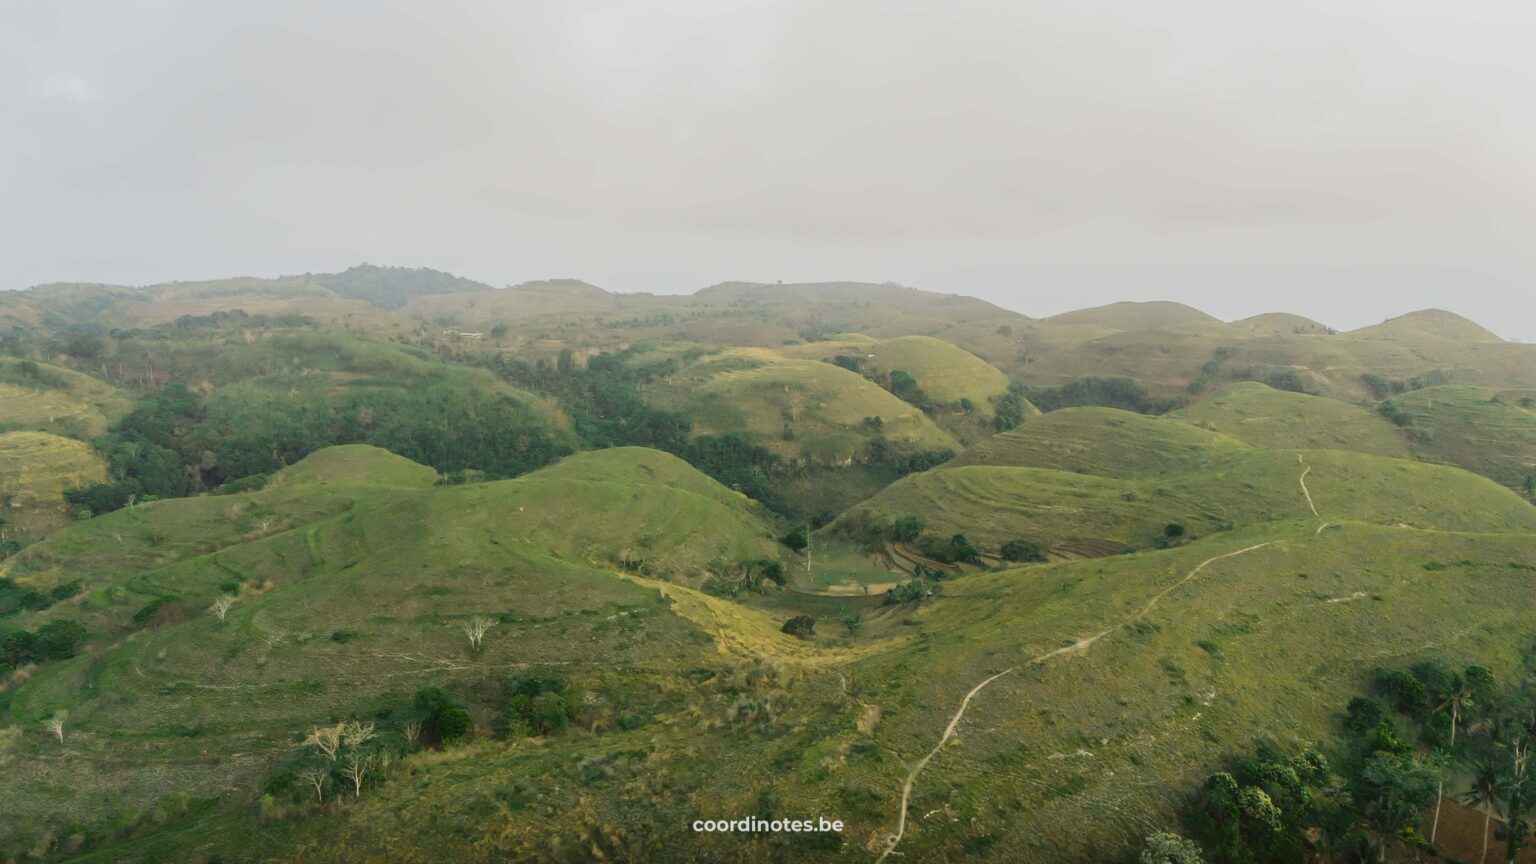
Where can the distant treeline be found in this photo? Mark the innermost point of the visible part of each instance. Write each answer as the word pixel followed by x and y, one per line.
pixel 175 443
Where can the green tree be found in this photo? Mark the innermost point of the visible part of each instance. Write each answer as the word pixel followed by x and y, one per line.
pixel 1484 794
pixel 1165 848
pixel 800 626
pixel 907 527
pixel 443 720
pixel 1394 790
pixel 1023 550
pixel 852 622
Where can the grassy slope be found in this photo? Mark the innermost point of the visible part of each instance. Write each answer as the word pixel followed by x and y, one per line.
pixel 1168 360
pixel 1265 417
pixel 355 465
pixel 1112 737
pixel 198 705
pixel 63 402
pixel 1103 441
pixel 1073 758
pixel 35 470
pixel 1477 428
pixel 992 505
pixel 945 372
pixel 761 395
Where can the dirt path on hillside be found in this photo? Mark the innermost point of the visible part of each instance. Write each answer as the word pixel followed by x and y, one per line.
pixel 1079 646
pixel 1302 460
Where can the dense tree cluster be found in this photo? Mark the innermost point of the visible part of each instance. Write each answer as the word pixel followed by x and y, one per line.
pixel 949 550
pixel 55 640
pixel 1421 735
pixel 540 705
pixel 175 443
pixel 14 598
pixel 1125 393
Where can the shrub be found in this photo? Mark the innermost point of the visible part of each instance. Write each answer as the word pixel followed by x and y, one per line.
pixel 540 705
pixel 907 527
pixel 955 549
pixel 907 592
pixel 801 626
pixel 1022 550
pixel 1363 715
pixel 1394 412
pixel 1287 379
pixel 443 720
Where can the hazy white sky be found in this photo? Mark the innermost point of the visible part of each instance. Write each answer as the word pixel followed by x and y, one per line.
pixel 1343 159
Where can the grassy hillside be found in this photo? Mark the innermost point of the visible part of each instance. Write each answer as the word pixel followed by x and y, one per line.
pixel 799 409
pixel 1264 417
pixel 1071 513
pixel 1103 441
pixel 1113 733
pixel 1480 429
pixel 1199 356
pixel 611 621
pixel 1274 323
pixel 35 470
pixel 1154 315
pixel 355 465
pixel 394 570
pixel 946 373
pixel 45 398
pixel 1428 323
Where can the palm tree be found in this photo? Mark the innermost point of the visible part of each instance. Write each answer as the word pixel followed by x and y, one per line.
pixel 1458 699
pixel 1441 761
pixel 1487 786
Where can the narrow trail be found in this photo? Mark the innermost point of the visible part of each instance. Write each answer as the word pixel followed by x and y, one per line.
pixel 1302 460
pixel 1078 646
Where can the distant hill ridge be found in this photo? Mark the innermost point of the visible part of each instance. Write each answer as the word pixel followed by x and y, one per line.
pixel 404 289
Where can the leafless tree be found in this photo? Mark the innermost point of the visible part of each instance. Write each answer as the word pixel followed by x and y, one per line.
pixel 316 777
pixel 55 724
pixel 357 770
pixel 221 606
pixel 326 739
pixel 411 732
pixel 354 734
pixel 476 628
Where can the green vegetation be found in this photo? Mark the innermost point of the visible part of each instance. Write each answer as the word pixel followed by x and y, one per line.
pixel 420 570
pixel 1124 393
pixel 1265 417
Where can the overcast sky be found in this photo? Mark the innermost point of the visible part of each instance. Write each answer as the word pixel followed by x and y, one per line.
pixel 1344 160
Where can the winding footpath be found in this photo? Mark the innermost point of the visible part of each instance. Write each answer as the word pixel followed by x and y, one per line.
pixel 1079 646
pixel 1302 460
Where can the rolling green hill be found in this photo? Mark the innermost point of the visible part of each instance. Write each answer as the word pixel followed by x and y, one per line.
pixel 45 398
pixel 1081 513
pixel 1480 429
pixel 1428 323
pixel 1103 441
pixel 363 486
pixel 394 566
pixel 1155 315
pixel 799 409
pixel 1264 417
pixel 35 470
